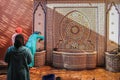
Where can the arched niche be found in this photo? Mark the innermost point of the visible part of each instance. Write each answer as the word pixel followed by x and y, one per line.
pixel 112 27
pixel 39 18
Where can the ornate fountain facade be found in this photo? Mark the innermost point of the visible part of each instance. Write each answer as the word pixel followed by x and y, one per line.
pixel 75 32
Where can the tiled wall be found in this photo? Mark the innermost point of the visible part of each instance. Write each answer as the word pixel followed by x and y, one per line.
pixel 53 22
pixel 98 23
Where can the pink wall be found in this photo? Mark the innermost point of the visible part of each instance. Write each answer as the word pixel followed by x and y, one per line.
pixel 14 13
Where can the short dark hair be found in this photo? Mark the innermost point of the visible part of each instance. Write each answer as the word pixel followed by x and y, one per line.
pixel 19 41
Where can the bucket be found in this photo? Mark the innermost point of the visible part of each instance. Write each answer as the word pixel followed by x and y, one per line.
pixel 49 77
pixel 40 58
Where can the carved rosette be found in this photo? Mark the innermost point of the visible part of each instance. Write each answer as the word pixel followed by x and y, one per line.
pixel 75 31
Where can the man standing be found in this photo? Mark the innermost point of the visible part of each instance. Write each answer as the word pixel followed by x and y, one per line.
pixel 31 44
pixel 18 30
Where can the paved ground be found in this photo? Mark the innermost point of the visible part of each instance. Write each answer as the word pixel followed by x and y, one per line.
pixel 99 73
pixel 3 67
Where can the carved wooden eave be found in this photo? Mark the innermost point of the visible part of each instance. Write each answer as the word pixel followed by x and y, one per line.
pixel 75 1
pixel 109 1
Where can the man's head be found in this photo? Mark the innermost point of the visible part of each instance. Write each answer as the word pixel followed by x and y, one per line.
pixel 18 30
pixel 19 41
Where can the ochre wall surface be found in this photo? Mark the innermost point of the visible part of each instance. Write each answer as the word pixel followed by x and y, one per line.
pixel 14 13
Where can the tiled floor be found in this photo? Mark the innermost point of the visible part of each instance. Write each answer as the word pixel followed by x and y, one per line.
pixel 3 67
pixel 94 74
